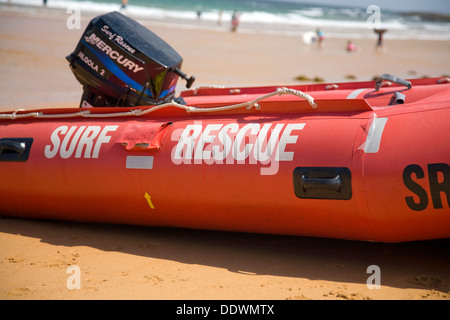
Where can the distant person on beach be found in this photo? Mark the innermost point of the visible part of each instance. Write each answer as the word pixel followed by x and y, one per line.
pixel 124 5
pixel 320 38
pixel 351 46
pixel 199 14
pixel 380 33
pixel 219 21
pixel 234 21
pixel 44 3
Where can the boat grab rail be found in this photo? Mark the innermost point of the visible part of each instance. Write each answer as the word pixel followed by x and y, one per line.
pixel 139 112
pixel 389 77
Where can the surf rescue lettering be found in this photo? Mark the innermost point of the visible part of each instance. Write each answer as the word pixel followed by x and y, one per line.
pixel 80 142
pixel 228 144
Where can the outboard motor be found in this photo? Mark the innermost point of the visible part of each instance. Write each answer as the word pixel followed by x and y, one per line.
pixel 120 63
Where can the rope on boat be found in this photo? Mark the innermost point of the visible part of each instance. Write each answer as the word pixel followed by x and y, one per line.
pixel 196 90
pixel 139 112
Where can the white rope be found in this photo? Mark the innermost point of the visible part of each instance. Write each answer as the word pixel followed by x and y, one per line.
pixel 139 112
pixel 196 90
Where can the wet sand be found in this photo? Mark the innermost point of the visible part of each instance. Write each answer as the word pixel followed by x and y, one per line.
pixel 129 262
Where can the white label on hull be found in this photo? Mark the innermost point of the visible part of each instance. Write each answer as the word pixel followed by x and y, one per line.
pixel 228 144
pixel 78 142
pixel 139 162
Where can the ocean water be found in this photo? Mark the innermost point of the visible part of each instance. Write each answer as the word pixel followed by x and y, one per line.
pixel 270 16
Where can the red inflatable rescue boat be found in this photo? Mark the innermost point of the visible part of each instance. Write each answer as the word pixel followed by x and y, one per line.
pixel 361 160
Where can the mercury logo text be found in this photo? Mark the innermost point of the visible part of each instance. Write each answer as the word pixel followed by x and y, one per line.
pixel 114 55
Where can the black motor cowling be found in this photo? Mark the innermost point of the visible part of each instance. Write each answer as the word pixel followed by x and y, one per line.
pixel 120 63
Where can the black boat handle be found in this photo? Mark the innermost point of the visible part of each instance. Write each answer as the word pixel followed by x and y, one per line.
pixel 189 81
pixel 10 145
pixel 333 184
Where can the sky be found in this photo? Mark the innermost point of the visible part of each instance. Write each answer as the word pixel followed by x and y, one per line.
pixel 437 6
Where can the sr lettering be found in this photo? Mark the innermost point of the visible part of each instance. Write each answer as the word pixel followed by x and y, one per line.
pixel 415 179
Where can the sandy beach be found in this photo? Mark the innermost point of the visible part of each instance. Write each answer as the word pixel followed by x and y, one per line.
pixel 131 262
